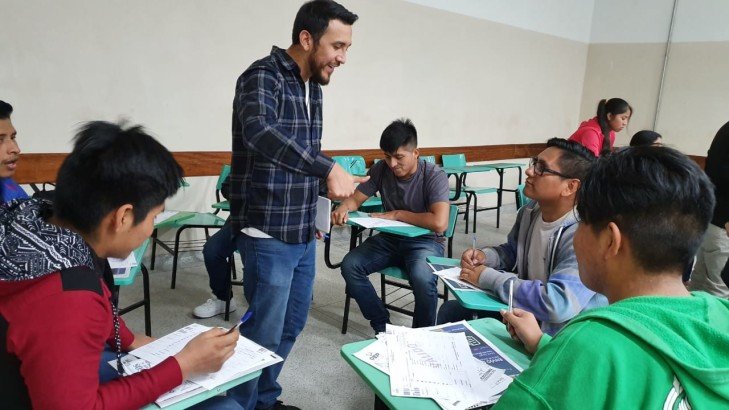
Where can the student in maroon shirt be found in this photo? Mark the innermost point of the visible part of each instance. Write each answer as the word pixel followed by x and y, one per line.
pixel 56 310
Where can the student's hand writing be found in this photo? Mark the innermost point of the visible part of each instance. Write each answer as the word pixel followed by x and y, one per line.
pixel 523 327
pixel 340 215
pixel 392 215
pixel 471 274
pixel 472 258
pixel 206 352
pixel 340 183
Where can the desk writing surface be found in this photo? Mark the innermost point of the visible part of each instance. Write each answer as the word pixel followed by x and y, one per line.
pixel 191 401
pixel 470 299
pixel 408 231
pixel 182 215
pixel 505 165
pixel 379 382
pixel 138 254
pixel 468 169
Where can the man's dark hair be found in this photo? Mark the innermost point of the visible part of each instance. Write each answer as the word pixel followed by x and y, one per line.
pixel 110 166
pixel 314 17
pixel 400 133
pixel 658 197
pixel 575 159
pixel 5 110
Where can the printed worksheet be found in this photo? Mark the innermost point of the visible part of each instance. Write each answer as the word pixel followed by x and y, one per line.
pixel 439 365
pixel 369 223
pixel 451 277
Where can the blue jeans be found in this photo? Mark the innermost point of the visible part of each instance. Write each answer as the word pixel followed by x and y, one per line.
pixel 452 311
pixel 216 252
pixel 384 250
pixel 278 282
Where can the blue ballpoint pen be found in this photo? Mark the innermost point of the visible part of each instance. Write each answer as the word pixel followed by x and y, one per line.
pixel 243 319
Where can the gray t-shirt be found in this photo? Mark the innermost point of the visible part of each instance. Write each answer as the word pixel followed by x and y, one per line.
pixel 427 186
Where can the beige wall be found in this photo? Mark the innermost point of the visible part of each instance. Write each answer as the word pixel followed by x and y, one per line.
pixel 694 102
pixel 172 64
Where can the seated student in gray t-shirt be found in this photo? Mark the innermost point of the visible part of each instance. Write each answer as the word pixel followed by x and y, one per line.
pixel 412 191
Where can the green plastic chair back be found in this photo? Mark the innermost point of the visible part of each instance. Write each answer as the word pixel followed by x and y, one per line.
pixel 223 174
pixel 454 160
pixel 354 164
pixel 428 158
pixel 452 217
pixel 521 197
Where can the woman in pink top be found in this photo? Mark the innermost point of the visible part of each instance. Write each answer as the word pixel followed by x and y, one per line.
pixel 598 133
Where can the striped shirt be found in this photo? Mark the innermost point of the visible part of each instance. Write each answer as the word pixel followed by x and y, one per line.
pixel 277 160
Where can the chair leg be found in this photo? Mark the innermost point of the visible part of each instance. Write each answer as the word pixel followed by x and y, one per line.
pixel 230 288
pixel 345 318
pixel 383 293
pixel 445 292
pixel 475 209
pixel 468 207
pixel 154 249
pixel 147 303
pixel 174 256
pixel 232 265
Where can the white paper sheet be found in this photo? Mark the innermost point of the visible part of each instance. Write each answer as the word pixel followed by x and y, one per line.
pixel 439 365
pixel 451 277
pixel 248 356
pixel 164 215
pixel 323 214
pixel 368 222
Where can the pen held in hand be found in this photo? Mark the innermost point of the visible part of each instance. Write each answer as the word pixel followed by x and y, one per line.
pixel 511 296
pixel 243 319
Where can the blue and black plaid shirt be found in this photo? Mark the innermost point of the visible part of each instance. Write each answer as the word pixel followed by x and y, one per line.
pixel 277 159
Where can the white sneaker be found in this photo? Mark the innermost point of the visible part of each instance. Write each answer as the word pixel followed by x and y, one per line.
pixel 212 307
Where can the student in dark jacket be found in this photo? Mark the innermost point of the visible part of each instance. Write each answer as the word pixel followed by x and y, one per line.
pixel 714 252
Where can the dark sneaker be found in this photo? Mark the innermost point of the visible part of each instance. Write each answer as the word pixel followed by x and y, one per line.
pixel 280 406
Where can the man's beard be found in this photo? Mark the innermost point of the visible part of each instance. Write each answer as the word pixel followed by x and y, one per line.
pixel 316 72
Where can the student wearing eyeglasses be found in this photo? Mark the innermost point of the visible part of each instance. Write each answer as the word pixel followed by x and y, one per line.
pixel 538 255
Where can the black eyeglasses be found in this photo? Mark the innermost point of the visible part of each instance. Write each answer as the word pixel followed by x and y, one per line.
pixel 540 168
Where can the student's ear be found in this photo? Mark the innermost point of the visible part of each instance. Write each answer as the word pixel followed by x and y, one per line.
pixel 610 117
pixel 306 40
pixel 572 186
pixel 613 239
pixel 416 153
pixel 123 218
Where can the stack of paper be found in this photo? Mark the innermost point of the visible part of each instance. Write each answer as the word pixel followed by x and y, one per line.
pixel 248 357
pixel 121 268
pixel 455 366
pixel 451 276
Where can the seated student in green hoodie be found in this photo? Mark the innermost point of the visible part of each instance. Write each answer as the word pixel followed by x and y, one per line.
pixel 643 211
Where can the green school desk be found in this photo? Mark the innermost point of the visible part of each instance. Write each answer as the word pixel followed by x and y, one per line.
pixel 145 302
pixel 191 401
pixel 469 299
pixel 408 231
pixel 379 382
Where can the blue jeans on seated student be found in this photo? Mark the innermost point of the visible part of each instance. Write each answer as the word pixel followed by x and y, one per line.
pixel 452 311
pixel 108 373
pixel 216 252
pixel 278 282
pixel 384 250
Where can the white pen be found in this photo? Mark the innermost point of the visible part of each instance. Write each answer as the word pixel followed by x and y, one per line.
pixel 473 251
pixel 511 296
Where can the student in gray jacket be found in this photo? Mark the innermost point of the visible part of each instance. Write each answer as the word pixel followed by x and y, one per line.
pixel 538 255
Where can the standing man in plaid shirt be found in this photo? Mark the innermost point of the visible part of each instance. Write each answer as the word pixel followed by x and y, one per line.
pixel 276 168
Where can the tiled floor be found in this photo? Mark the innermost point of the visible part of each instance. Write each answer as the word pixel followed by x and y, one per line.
pixel 315 376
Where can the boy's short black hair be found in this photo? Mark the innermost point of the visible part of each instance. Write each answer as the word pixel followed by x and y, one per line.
pixel 112 165
pixel 659 198
pixel 575 159
pixel 5 110
pixel 315 15
pixel 400 133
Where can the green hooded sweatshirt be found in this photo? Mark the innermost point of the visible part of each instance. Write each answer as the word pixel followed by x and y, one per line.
pixel 648 352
